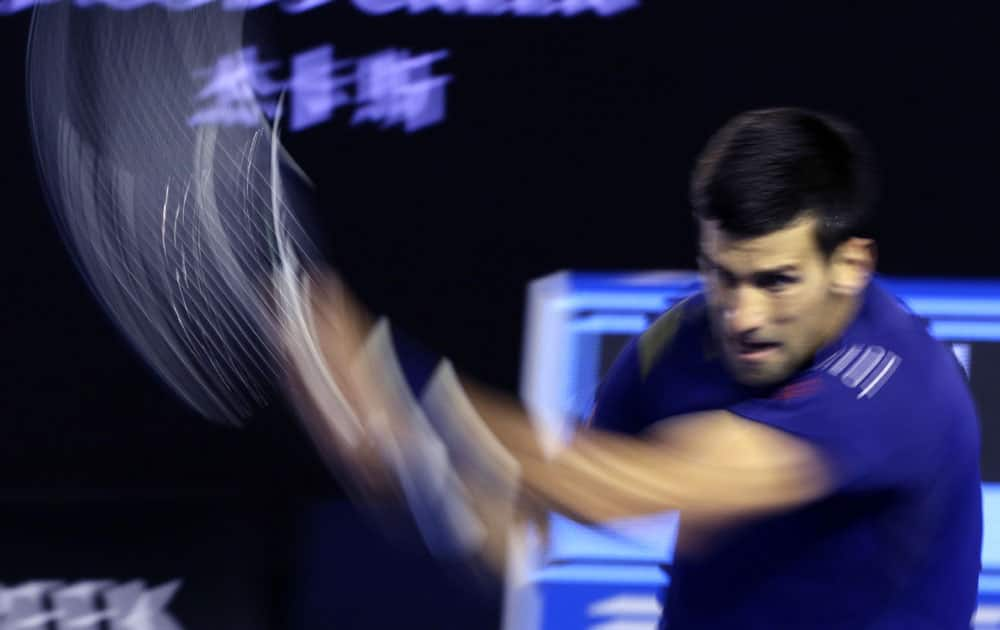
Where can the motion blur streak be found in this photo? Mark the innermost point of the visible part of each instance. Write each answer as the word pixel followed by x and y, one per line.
pixel 177 230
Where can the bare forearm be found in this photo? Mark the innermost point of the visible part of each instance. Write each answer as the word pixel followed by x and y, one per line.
pixel 704 466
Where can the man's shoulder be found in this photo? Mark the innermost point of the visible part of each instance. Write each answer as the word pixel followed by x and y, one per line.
pixel 892 344
pixel 891 373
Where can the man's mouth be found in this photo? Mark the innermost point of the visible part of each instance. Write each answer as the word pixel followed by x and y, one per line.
pixel 755 350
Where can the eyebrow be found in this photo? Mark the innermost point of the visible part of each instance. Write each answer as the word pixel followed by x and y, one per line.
pixel 779 270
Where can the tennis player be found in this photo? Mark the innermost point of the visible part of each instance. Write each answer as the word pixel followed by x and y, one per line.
pixel 821 446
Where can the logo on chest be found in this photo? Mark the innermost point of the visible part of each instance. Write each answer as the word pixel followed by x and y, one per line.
pixel 863 368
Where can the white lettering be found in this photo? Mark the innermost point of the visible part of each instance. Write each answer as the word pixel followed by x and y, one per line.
pixel 380 7
pixel 497 7
pixel 87 605
pixel 519 8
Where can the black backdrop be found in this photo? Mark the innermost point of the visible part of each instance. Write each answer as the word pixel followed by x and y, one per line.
pixel 567 144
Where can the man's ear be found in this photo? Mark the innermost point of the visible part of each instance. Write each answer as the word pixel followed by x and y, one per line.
pixel 852 265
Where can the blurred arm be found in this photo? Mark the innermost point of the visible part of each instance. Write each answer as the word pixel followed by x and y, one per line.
pixel 712 464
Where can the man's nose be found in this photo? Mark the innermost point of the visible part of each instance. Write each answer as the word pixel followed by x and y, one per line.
pixel 745 311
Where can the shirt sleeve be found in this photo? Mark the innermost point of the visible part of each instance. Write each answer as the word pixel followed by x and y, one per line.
pixel 864 439
pixel 616 407
pixel 621 403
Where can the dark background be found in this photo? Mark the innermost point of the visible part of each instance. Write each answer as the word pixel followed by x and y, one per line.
pixel 567 145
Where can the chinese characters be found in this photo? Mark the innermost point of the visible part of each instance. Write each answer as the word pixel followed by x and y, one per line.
pixel 390 88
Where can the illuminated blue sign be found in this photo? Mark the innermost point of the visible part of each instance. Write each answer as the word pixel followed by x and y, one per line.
pixel 391 88
pixel 518 8
pixel 498 7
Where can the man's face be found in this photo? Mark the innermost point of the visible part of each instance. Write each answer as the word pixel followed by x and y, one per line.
pixel 771 299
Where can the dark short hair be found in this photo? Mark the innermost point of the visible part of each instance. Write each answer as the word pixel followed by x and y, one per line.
pixel 767 168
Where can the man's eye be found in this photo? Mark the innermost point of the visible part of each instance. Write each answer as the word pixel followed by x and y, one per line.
pixel 776 282
pixel 725 279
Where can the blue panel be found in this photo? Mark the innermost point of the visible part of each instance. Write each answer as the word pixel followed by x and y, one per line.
pixel 991 531
pixel 648 540
pixel 596 596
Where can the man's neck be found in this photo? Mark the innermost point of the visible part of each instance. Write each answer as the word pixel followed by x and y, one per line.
pixel 842 313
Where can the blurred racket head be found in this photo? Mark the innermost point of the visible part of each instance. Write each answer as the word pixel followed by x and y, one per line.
pixel 178 228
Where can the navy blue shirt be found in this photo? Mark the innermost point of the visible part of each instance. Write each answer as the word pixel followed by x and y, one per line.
pixel 895 545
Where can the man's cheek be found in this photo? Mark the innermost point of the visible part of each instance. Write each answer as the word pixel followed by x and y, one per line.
pixel 786 320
